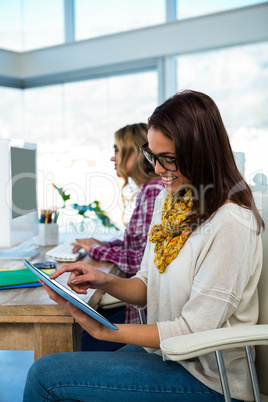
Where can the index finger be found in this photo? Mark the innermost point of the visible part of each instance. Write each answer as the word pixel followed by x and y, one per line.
pixel 78 241
pixel 75 242
pixel 66 268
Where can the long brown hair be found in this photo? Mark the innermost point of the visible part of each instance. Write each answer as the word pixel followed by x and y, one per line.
pixel 203 152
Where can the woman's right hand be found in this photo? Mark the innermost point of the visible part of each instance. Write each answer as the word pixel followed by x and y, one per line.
pixel 85 244
pixel 82 277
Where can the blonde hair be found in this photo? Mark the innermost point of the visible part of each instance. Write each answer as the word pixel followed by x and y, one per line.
pixel 128 140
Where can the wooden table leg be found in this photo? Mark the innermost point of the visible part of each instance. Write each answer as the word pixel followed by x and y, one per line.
pixel 56 338
pixel 17 336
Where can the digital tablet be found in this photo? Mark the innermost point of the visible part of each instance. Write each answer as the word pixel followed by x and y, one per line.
pixel 69 295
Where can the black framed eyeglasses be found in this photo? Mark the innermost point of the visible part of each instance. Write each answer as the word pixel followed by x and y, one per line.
pixel 167 162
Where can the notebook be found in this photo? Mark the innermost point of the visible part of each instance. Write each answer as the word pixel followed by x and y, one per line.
pixel 17 278
pixel 69 295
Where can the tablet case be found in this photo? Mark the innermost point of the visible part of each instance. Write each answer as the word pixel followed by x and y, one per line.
pixel 69 295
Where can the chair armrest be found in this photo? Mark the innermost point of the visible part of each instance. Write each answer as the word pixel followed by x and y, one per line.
pixel 198 344
pixel 107 301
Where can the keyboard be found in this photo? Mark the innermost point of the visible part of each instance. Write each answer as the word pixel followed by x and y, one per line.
pixel 63 252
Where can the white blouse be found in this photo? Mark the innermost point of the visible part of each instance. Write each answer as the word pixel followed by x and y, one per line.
pixel 212 283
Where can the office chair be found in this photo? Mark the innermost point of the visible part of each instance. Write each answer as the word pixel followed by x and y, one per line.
pixel 197 344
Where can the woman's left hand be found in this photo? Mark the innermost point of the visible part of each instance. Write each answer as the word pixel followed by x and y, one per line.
pixel 86 244
pixel 135 334
pixel 89 324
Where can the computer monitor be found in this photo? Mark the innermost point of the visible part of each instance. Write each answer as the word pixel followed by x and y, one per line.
pixel 18 192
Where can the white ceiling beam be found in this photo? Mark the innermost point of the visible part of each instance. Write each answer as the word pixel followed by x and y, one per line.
pixel 10 67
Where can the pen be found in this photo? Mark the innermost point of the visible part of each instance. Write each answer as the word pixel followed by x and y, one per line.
pixel 48 216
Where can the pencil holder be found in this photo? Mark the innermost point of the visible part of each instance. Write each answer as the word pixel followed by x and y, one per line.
pixel 48 234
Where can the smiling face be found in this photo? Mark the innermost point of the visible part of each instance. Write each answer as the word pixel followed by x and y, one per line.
pixel 161 145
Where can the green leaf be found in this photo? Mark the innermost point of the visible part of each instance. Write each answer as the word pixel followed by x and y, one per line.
pixel 64 196
pixel 94 207
pixel 82 209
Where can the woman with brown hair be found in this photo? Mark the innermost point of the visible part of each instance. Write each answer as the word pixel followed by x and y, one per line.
pixel 200 271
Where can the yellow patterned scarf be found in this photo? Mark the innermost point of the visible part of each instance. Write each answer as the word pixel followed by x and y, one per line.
pixel 172 233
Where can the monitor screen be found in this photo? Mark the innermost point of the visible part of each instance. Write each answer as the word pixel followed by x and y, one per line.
pixel 23 176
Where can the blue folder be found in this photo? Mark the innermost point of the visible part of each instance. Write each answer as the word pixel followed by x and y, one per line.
pixel 23 285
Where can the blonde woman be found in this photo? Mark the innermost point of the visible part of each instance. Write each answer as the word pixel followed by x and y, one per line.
pixel 127 254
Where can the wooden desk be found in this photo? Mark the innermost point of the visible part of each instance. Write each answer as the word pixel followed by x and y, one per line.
pixel 30 320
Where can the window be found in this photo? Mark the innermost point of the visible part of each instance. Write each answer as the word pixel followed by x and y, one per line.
pixel 11 117
pixel 10 25
pixel 193 8
pixel 31 24
pixel 236 78
pixel 74 124
pixel 96 18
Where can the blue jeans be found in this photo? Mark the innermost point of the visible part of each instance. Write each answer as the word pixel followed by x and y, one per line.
pixel 129 374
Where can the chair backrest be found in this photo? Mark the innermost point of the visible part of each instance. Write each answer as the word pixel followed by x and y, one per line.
pixel 262 351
